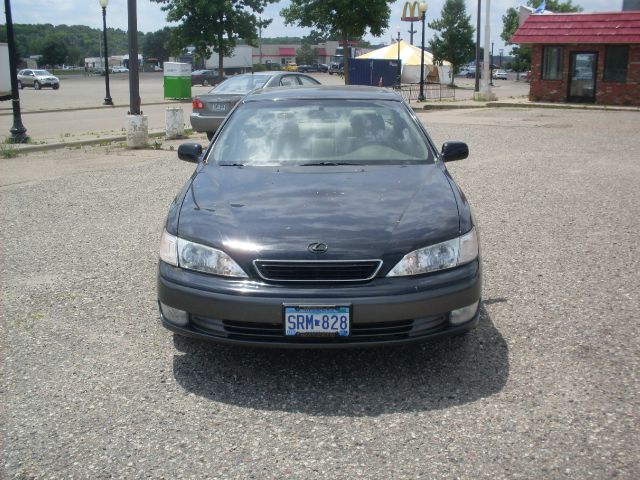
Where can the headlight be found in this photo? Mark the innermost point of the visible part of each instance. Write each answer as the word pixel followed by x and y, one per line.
pixel 440 256
pixel 169 248
pixel 193 256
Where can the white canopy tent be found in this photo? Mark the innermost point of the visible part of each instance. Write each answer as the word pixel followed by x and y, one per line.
pixel 410 58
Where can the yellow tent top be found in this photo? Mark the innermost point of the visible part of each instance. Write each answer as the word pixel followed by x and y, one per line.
pixel 409 54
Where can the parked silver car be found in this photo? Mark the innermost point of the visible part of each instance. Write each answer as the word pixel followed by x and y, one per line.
pixel 210 109
pixel 37 79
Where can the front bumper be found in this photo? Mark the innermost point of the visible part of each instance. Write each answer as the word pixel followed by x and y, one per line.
pixel 205 123
pixel 383 312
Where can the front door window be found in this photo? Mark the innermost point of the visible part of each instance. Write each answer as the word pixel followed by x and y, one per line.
pixel 582 77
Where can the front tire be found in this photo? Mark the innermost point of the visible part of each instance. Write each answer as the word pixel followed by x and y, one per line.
pixel 210 135
pixel 205 83
pixel 36 85
pixel 20 86
pixel 56 86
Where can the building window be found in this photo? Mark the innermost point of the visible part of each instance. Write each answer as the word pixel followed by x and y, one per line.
pixel 552 63
pixel 616 60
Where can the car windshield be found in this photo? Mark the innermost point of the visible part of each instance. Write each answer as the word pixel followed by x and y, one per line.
pixel 321 132
pixel 41 72
pixel 241 84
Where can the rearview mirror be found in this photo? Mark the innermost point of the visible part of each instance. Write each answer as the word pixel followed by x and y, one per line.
pixel 454 151
pixel 190 152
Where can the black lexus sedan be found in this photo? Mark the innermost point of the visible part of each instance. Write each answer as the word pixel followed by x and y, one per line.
pixel 320 217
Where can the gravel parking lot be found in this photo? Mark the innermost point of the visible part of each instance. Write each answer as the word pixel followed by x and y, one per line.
pixel 545 387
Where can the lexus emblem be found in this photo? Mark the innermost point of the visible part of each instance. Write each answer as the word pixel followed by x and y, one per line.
pixel 318 247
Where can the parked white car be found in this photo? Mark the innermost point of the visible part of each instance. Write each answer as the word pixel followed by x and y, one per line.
pixel 500 75
pixel 119 70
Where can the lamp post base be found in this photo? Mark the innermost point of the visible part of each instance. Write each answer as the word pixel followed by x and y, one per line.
pixel 18 134
pixel 107 101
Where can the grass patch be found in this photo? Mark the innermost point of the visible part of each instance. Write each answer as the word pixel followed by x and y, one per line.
pixel 8 151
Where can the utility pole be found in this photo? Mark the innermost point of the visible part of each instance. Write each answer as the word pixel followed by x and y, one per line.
pixel 485 91
pixel 137 124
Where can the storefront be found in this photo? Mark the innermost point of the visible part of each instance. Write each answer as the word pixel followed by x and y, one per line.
pixel 584 57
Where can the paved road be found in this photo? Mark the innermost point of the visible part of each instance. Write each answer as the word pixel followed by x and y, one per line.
pixel 88 92
pixel 546 387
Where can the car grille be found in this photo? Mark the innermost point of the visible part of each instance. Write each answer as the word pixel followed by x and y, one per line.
pixel 317 271
pixel 360 332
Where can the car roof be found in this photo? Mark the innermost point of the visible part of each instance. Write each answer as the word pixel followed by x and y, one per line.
pixel 318 92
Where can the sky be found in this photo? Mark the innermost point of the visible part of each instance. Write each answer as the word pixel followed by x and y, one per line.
pixel 151 17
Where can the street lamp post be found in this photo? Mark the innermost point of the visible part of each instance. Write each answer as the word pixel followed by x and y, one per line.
pixel 477 85
pixel 399 72
pixel 18 132
pixel 423 14
pixel 500 51
pixel 411 32
pixel 107 97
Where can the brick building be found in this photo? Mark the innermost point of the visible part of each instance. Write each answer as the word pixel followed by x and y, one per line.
pixel 584 57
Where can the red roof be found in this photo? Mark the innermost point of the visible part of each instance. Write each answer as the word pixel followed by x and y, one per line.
pixel 287 52
pixel 570 28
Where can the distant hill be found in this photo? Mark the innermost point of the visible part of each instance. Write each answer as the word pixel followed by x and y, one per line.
pixel 81 41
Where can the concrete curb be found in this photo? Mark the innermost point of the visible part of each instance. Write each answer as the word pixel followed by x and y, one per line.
pixel 97 107
pixel 502 104
pixel 564 106
pixel 77 143
pixel 446 106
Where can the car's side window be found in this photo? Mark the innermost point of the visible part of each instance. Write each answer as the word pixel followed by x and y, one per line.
pixel 288 81
pixel 308 80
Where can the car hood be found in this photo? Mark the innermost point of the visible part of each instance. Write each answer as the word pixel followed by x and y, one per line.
pixel 360 212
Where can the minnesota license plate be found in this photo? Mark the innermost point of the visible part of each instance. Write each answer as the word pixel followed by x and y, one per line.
pixel 317 321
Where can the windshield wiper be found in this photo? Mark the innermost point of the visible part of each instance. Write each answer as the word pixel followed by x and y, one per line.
pixel 231 164
pixel 326 164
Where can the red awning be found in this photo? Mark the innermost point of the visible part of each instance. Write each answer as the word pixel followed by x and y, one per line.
pixel 287 52
pixel 572 28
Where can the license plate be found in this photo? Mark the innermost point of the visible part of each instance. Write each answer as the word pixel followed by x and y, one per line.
pixel 316 321
pixel 219 107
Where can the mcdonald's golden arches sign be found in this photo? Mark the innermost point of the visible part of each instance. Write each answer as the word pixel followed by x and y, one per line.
pixel 411 12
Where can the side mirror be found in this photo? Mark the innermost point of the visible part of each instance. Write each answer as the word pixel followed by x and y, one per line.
pixel 454 151
pixel 190 152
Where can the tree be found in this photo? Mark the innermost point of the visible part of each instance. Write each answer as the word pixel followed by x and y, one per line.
pixel 305 54
pixel 522 55
pixel 218 24
pixel 158 44
pixel 510 23
pixel 315 38
pixel 344 19
pixel 557 6
pixel 54 52
pixel 453 40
